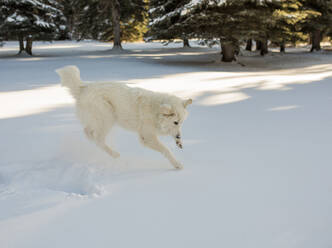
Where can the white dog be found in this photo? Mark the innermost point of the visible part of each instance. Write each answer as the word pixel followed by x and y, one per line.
pixel 101 105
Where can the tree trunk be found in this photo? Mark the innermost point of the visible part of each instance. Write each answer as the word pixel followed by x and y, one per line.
pixel 228 52
pixel 316 38
pixel 249 45
pixel 72 23
pixel 21 42
pixel 264 48
pixel 186 43
pixel 282 47
pixel 258 45
pixel 28 46
pixel 115 5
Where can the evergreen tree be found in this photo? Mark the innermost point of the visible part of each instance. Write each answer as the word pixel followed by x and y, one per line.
pixel 234 21
pixel 231 20
pixel 92 20
pixel 28 20
pixel 283 26
pixel 2 20
pixel 318 21
pixel 71 12
pixel 165 20
pixel 111 20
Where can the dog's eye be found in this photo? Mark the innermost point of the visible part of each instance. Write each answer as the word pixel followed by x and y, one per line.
pixel 176 123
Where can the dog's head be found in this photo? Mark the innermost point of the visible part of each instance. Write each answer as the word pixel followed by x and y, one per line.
pixel 171 117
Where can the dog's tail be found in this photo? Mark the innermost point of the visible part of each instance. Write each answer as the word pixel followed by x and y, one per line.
pixel 70 78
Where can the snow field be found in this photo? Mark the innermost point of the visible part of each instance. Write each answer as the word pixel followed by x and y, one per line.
pixel 256 156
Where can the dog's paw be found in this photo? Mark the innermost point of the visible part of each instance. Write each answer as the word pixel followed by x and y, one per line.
pixel 178 166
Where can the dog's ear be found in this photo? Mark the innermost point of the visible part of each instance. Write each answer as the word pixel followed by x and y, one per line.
pixel 166 110
pixel 187 102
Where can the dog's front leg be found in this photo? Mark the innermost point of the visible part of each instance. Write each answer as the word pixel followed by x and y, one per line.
pixel 153 142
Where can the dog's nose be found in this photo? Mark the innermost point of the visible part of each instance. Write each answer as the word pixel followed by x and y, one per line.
pixel 178 136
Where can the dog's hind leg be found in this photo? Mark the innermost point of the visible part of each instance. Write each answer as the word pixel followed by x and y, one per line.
pixel 107 149
pixel 99 138
pixel 97 118
pixel 152 141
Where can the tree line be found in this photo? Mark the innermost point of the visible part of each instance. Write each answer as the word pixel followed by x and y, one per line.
pixel 229 23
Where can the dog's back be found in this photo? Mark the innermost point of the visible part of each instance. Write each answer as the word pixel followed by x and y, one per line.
pixel 104 104
pixel 119 100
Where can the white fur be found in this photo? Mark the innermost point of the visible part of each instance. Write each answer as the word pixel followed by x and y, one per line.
pixel 101 105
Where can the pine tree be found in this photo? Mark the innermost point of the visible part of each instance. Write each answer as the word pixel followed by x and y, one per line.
pixel 28 20
pixel 231 20
pixel 279 24
pixel 111 20
pixel 318 21
pixel 292 20
pixel 2 20
pixel 70 11
pixel 234 21
pixel 92 20
pixel 165 20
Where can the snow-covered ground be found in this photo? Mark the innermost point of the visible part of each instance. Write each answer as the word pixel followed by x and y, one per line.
pixel 257 152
